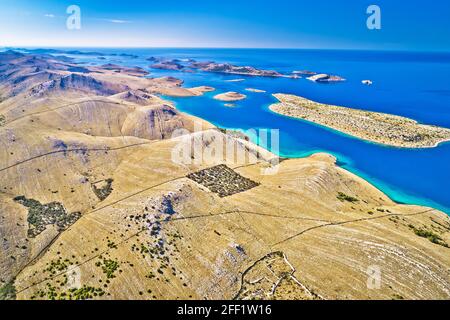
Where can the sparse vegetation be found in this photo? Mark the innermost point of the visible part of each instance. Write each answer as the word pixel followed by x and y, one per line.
pixel 112 244
pixel 83 293
pixel 57 266
pixel 104 191
pixel 430 235
pixel 2 119
pixel 109 267
pixel 397 296
pixel 41 215
pixel 8 291
pixel 222 180
pixel 343 197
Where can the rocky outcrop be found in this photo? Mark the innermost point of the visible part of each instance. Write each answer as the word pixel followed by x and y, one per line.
pixel 325 78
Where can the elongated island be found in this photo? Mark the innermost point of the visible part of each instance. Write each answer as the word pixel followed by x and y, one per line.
pixel 383 128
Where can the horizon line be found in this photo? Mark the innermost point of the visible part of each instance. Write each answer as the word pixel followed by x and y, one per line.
pixel 218 47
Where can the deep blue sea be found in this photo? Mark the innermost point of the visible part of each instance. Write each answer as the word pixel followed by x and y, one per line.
pixel 415 85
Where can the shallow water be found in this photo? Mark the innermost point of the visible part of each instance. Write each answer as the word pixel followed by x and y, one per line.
pixel 416 85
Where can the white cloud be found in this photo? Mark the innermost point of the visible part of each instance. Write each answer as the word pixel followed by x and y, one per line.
pixel 117 21
pixel 49 15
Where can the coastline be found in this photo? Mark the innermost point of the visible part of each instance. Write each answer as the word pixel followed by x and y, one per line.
pixel 396 195
pixel 391 192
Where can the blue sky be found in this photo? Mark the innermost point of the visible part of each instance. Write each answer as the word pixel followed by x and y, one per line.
pixel 332 24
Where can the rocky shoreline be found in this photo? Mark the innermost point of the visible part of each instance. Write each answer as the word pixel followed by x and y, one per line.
pixel 382 128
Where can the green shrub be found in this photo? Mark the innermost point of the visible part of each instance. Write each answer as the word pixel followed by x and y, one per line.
pixel 343 197
pixel 430 235
pixel 109 267
pixel 8 291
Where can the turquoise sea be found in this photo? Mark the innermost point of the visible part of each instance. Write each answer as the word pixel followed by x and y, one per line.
pixel 411 84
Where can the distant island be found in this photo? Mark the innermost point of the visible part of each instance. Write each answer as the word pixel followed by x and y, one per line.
pixel 377 127
pixel 190 65
pixel 232 69
pixel 230 96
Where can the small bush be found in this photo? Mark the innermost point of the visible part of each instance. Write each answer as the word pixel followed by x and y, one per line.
pixel 8 291
pixel 343 197
pixel 109 267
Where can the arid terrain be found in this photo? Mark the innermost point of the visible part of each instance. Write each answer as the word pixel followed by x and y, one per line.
pixel 377 127
pixel 95 204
